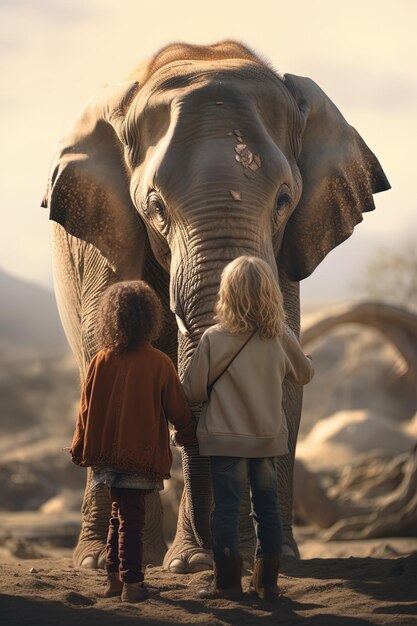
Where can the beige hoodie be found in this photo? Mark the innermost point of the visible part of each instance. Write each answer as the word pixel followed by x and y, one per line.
pixel 243 416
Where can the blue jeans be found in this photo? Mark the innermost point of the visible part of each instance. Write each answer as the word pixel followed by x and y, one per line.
pixel 229 476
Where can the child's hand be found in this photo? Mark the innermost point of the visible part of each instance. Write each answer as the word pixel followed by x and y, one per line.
pixel 185 436
pixel 309 357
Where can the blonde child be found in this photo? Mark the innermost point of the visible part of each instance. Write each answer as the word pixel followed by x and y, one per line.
pixel 237 371
pixel 130 392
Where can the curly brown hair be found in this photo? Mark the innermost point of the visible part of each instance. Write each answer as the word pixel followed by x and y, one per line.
pixel 130 313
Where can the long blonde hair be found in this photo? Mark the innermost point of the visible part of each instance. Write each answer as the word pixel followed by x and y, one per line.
pixel 250 297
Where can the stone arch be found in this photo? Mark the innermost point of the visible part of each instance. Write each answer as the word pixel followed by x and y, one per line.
pixel 397 324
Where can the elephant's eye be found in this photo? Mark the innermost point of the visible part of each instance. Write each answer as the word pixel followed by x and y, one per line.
pixel 283 199
pixel 154 208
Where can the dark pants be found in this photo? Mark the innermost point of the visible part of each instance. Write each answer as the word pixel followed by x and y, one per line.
pixel 124 539
pixel 229 477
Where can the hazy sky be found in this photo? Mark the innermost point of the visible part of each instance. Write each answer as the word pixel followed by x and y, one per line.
pixel 55 53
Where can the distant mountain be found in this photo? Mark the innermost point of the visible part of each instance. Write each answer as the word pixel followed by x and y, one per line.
pixel 29 318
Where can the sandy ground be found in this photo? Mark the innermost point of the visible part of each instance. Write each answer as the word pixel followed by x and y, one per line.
pixel 327 587
pixel 335 584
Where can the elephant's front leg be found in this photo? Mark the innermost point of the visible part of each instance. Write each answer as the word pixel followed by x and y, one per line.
pixel 81 276
pixel 90 551
pixel 190 550
pixel 292 396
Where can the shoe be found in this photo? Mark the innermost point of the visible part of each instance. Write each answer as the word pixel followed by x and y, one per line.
pixel 135 592
pixel 114 585
pixel 227 581
pixel 264 581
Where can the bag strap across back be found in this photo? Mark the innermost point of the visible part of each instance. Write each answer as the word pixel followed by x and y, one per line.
pixel 211 385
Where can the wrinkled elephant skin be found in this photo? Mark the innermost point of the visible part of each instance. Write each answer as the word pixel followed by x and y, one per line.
pixel 204 155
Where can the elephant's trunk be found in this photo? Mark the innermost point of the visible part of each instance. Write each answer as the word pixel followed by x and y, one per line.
pixel 195 284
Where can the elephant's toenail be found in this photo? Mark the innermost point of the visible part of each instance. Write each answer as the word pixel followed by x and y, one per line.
pixel 177 566
pixel 88 563
pixel 199 562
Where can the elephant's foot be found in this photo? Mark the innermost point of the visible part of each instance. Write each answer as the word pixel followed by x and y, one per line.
pixel 90 551
pixel 89 554
pixel 187 558
pixel 190 551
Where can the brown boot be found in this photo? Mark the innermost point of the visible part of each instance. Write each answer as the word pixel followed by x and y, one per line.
pixel 227 582
pixel 134 592
pixel 114 585
pixel 264 581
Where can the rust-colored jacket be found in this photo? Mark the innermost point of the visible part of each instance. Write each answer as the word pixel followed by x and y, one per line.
pixel 125 403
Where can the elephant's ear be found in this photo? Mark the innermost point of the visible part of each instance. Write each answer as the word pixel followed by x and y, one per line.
pixel 88 191
pixel 339 175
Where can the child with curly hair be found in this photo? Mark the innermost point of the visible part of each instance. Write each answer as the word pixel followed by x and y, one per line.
pixel 237 373
pixel 130 392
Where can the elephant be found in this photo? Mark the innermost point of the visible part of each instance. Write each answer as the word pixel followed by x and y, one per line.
pixel 204 154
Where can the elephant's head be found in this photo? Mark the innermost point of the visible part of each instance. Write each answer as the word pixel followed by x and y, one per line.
pixel 207 155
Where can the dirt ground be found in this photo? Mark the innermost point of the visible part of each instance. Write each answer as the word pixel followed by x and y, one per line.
pixel 327 588
pixel 335 584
